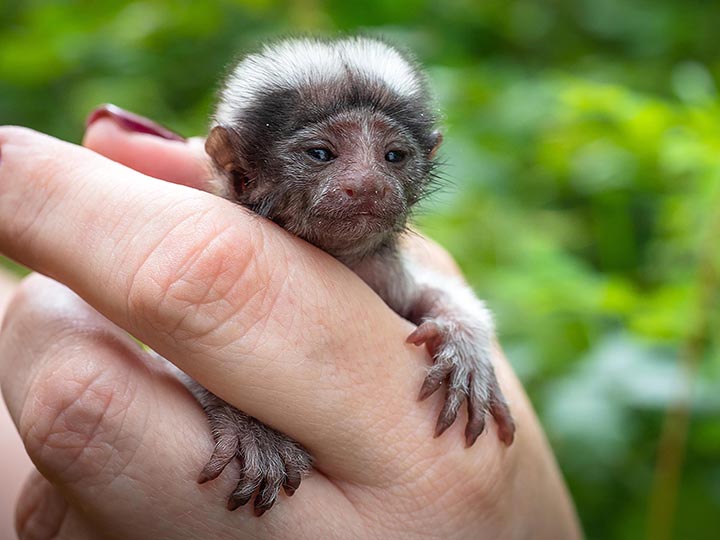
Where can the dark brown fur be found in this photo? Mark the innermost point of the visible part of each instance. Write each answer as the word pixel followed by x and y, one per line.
pixel 354 206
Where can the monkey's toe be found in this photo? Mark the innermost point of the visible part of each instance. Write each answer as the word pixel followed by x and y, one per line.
pixel 486 397
pixel 226 449
pixel 268 459
pixel 503 418
pixel 269 464
pixel 428 332
pixel 463 364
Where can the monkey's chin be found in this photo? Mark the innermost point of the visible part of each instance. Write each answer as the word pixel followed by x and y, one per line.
pixel 356 233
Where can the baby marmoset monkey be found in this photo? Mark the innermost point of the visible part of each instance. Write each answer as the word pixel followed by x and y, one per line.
pixel 334 141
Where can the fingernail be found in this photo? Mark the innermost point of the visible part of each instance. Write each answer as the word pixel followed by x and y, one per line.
pixel 131 122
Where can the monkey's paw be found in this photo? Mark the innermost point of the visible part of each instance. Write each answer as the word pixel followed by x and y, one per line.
pixel 268 459
pixel 462 359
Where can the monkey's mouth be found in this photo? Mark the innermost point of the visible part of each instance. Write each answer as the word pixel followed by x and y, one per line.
pixel 343 229
pixel 364 221
pixel 367 213
pixel 357 225
pixel 369 222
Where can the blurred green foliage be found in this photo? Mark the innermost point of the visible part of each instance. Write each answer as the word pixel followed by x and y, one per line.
pixel 583 149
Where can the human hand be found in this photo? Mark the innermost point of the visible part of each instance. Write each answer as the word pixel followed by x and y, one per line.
pixel 269 323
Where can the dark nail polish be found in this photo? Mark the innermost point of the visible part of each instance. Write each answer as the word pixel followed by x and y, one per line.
pixel 131 122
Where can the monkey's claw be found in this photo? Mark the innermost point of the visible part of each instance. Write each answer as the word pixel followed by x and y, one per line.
pixel 462 362
pixel 268 459
pixel 429 332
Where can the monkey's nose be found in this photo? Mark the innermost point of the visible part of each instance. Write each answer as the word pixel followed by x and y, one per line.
pixel 363 191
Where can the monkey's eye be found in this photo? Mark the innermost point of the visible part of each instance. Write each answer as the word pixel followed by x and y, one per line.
pixel 320 154
pixel 395 156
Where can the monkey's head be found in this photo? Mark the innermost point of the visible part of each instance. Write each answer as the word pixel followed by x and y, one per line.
pixel 334 141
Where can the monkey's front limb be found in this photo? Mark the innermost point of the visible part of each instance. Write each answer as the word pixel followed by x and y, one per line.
pixel 460 340
pixel 457 330
pixel 268 459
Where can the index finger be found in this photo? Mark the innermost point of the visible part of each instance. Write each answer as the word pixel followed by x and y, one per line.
pixel 233 300
pixel 152 150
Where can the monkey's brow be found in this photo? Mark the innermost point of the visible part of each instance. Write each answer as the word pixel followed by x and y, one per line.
pixel 308 130
pixel 328 121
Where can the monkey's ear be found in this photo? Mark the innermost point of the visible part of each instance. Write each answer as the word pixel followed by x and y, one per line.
pixel 436 138
pixel 223 146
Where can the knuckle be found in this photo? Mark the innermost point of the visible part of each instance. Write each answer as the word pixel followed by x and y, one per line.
pixel 200 275
pixel 73 430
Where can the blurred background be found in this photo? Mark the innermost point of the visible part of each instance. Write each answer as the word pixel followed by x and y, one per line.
pixel 582 198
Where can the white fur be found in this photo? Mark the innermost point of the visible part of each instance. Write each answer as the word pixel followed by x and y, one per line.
pixel 460 296
pixel 300 62
pixel 468 321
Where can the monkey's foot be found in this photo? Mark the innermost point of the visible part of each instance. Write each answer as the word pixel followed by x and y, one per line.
pixel 268 459
pixel 463 361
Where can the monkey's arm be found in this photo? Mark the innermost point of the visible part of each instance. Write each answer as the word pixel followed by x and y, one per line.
pixel 458 331
pixel 268 459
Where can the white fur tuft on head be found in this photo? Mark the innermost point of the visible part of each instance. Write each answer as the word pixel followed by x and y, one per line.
pixel 296 63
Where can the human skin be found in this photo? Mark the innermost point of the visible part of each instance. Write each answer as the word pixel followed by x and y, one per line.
pixel 267 322
pixel 14 463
